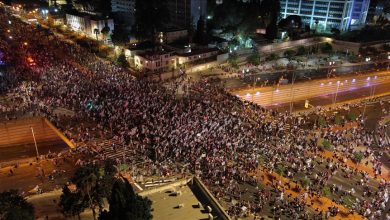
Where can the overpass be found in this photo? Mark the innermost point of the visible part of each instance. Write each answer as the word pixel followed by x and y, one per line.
pixel 17 138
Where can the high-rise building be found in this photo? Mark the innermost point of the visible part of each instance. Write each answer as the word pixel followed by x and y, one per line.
pixel 125 6
pixel 324 15
pixel 184 13
pixel 126 10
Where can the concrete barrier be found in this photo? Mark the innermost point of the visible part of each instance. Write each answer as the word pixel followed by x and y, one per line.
pixel 213 201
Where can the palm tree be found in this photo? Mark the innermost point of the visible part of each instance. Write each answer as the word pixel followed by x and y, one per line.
pixel 96 32
pixel 105 31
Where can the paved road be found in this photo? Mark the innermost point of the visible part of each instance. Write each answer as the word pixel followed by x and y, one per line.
pixel 267 96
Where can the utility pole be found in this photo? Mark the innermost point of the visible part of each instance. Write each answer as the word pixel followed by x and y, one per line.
pixel 35 141
pixel 292 93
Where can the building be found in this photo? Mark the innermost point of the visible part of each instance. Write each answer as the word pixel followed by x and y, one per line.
pixel 196 55
pixel 56 2
pixel 323 15
pixel 125 9
pixel 155 61
pixel 170 35
pixel 90 25
pixel 184 13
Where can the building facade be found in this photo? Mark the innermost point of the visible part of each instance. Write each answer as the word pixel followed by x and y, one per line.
pixel 90 25
pixel 323 15
pixel 125 9
pixel 155 61
pixel 184 13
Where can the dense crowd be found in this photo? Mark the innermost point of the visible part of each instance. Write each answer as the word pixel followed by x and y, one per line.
pixel 208 132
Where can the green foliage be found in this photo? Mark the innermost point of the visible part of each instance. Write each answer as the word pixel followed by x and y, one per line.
pixel 126 205
pixel 272 56
pixel 327 145
pixel 93 184
pixel 200 36
pixel 352 116
pixel 105 31
pixel 70 203
pixel 338 120
pixel 280 169
pixel 322 121
pixel 348 201
pixel 386 47
pixel 15 207
pixel 289 53
pixel 261 159
pixel 150 16
pixel 233 61
pixel 358 156
pixel 305 182
pixel 301 51
pixel 254 58
pixel 326 191
pixel 367 34
pixel 326 48
pixel 122 61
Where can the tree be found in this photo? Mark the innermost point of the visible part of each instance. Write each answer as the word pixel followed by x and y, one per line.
pixel 270 10
pixel 233 61
pixel 93 184
pixel 326 48
pixel 200 31
pixel 105 31
pixel 254 58
pixel 71 204
pixel 125 204
pixel 119 35
pixel 336 32
pixel 358 156
pixel 96 32
pixel 15 207
pixel 301 51
pixel 289 53
pixel 122 61
pixel 150 16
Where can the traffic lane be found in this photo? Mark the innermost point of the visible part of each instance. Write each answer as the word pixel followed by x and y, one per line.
pixel 328 99
pixel 301 91
pixel 300 75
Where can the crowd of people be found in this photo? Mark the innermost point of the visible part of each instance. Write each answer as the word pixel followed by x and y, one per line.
pixel 208 132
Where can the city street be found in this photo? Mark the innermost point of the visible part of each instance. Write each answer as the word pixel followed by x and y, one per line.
pixel 267 96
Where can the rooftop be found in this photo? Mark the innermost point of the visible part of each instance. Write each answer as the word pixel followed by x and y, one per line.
pixel 166 205
pixel 197 51
pixel 90 15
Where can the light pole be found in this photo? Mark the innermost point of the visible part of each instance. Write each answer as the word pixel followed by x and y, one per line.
pixel 35 141
pixel 388 62
pixel 337 91
pixel 292 92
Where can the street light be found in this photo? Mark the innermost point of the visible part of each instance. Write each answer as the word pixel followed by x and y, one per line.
pixel 337 91
pixel 388 62
pixel 35 142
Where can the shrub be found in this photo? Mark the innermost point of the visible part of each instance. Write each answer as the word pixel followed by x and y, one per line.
pixel 322 121
pixel 326 48
pixel 348 201
pixel 305 182
pixel 358 156
pixel 352 116
pixel 326 191
pixel 280 169
pixel 338 120
pixel 327 145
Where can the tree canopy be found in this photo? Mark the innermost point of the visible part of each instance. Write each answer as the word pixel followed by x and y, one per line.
pixel 15 207
pixel 246 17
pixel 125 204
pixel 151 16
pixel 93 184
